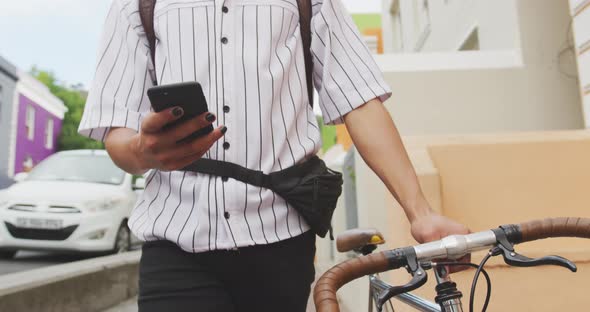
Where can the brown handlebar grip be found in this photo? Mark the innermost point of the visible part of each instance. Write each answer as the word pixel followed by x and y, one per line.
pixel 324 293
pixel 555 227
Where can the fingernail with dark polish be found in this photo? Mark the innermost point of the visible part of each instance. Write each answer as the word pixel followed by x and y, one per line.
pixel 210 117
pixel 224 130
pixel 177 111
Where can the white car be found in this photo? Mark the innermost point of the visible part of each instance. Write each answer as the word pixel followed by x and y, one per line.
pixel 72 201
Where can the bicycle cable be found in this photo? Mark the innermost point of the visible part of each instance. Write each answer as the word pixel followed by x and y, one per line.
pixel 474 283
pixel 479 270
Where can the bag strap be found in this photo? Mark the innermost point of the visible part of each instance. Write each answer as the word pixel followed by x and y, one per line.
pixel 305 14
pixel 230 170
pixel 146 12
pixel 254 177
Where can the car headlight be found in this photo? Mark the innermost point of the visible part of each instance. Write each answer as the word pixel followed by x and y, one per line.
pixel 100 205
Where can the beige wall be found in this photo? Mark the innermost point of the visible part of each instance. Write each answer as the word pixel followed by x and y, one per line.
pixel 485 181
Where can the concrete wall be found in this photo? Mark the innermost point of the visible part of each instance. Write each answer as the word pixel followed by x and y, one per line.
pixel 486 100
pixel 527 88
pixel 8 78
pixel 91 285
pixel 485 181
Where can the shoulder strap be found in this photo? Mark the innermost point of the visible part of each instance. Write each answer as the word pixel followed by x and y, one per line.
pixel 305 14
pixel 146 13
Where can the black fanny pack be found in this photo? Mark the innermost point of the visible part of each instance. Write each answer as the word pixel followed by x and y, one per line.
pixel 310 187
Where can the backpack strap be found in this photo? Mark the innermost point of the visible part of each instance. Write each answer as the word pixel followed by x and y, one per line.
pixel 146 13
pixel 305 14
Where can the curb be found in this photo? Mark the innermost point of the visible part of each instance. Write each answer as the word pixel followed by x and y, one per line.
pixel 88 285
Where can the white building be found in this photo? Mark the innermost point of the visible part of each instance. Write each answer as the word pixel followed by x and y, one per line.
pixel 450 25
pixel 469 66
pixel 580 10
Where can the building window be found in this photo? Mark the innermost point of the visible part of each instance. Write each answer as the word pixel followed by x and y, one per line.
pixel 49 134
pixel 30 122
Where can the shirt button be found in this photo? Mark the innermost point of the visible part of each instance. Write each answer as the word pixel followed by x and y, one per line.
pixel 224 9
pixel 226 145
pixel 224 179
pixel 226 109
pixel 224 40
pixel 226 215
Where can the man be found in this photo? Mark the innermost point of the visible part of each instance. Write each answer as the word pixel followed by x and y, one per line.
pixel 217 244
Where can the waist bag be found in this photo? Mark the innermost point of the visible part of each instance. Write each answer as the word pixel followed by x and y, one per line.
pixel 310 187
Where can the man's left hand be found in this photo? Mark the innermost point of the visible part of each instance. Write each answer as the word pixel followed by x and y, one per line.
pixel 434 226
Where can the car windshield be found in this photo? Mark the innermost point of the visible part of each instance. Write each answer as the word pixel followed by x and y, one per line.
pixel 82 168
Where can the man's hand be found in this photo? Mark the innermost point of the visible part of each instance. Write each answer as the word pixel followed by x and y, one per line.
pixel 157 146
pixel 434 226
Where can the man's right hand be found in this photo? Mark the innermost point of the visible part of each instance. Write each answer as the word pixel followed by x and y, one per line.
pixel 156 148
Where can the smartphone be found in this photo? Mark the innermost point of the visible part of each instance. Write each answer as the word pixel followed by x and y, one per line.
pixel 189 96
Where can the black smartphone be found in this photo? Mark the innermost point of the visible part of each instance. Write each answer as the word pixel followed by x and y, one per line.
pixel 188 95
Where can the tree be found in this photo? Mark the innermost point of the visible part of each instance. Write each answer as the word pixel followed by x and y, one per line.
pixel 328 134
pixel 74 98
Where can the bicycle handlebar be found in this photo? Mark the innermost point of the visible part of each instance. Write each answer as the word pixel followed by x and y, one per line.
pixel 452 247
pixel 556 227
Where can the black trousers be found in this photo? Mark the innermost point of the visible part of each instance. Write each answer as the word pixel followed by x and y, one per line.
pixel 274 277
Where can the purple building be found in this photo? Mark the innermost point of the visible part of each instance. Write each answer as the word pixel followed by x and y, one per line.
pixel 36 124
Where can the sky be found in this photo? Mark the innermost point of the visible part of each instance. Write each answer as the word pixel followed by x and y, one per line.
pixel 62 35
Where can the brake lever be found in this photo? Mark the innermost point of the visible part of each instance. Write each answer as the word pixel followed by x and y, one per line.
pixel 419 278
pixel 514 259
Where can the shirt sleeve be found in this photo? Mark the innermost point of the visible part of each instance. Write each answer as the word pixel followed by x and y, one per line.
pixel 117 95
pixel 344 71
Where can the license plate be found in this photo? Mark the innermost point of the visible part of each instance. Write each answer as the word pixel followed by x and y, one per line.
pixel 33 223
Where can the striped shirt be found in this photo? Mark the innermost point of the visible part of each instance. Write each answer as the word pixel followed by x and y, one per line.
pixel 248 57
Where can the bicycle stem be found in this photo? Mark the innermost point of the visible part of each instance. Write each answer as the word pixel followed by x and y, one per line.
pixel 455 246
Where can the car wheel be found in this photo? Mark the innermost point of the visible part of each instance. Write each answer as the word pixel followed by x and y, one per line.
pixel 7 254
pixel 123 239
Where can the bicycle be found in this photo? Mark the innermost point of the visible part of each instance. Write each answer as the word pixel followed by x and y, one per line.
pixel 420 258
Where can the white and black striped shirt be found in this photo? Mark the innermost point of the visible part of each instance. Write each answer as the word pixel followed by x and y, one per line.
pixel 248 57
